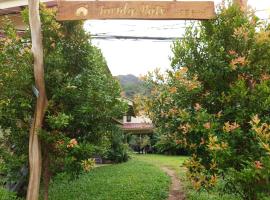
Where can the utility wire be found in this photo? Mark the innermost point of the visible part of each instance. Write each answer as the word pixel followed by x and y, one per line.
pixel 125 37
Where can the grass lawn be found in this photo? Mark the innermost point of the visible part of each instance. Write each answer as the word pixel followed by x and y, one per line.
pixel 138 179
pixel 175 162
pixel 134 180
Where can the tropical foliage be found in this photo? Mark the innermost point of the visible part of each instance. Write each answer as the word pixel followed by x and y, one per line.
pixel 83 99
pixel 215 102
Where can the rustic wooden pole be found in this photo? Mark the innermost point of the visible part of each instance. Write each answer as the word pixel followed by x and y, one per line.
pixel 35 160
pixel 242 4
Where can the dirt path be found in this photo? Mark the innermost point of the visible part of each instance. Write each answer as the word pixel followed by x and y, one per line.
pixel 176 189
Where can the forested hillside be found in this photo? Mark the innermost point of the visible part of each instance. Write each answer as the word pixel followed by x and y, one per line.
pixel 132 85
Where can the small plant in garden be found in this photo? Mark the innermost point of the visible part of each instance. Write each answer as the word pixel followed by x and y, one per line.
pixel 88 164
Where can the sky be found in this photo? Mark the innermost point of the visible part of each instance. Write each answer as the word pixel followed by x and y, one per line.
pixel 140 56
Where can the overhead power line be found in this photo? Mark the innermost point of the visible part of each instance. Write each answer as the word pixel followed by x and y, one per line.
pixel 125 37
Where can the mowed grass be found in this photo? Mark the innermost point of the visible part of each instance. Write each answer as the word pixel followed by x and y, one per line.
pixel 138 179
pixel 176 162
pixel 173 162
pixel 134 180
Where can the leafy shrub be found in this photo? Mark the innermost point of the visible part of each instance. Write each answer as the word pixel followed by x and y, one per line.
pixel 167 145
pixel 83 97
pixel 215 102
pixel 140 142
pixel 16 102
pixel 119 151
pixel 88 164
pixel 251 182
pixel 6 195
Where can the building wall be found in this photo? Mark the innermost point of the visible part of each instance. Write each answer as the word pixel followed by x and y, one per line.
pixel 138 119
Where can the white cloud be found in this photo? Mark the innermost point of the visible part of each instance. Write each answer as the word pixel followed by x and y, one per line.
pixel 135 57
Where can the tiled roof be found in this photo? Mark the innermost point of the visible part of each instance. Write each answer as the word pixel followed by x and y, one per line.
pixel 138 126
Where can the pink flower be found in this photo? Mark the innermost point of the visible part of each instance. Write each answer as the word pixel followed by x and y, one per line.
pixel 258 164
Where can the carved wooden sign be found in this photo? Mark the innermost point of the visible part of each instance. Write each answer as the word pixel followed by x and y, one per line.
pixel 193 10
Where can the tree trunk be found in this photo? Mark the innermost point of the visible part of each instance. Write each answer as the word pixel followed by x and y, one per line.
pixel 35 160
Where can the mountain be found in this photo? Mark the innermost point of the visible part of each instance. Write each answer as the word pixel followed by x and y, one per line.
pixel 129 79
pixel 132 85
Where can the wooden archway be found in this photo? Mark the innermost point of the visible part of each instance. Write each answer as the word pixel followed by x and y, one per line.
pixel 69 10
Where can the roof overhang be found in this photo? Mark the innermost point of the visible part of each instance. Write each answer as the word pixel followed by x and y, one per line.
pixel 12 9
pixel 138 128
pixel 15 4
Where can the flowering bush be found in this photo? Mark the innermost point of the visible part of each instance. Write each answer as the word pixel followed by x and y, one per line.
pixel 215 102
pixel 83 98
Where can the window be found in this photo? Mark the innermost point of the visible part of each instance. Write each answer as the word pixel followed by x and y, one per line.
pixel 128 118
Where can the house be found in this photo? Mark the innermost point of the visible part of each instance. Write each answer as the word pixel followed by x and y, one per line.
pixel 139 129
pixel 133 124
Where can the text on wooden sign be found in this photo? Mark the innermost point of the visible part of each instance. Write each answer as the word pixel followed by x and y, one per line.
pixel 76 10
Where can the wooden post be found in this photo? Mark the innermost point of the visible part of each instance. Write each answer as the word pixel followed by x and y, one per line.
pixel 242 4
pixel 35 160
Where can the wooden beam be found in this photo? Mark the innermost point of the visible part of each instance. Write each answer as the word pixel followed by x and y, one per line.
pixel 4 4
pixel 193 10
